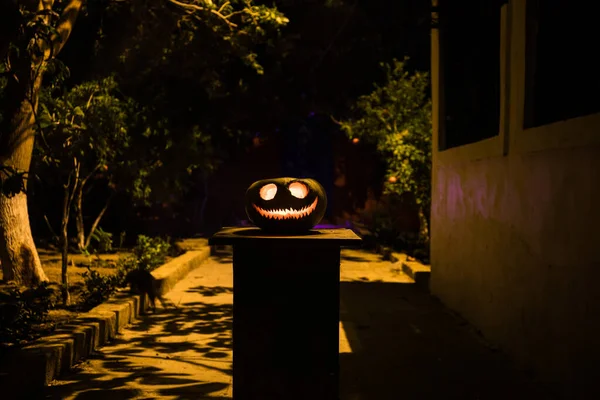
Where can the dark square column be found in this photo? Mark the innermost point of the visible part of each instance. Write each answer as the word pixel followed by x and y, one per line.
pixel 285 313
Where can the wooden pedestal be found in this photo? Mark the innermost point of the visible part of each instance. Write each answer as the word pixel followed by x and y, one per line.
pixel 285 313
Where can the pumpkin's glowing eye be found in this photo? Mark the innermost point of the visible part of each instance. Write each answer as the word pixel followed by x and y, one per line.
pixel 268 191
pixel 298 190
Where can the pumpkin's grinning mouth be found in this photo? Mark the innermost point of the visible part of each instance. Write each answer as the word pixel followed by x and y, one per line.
pixel 287 213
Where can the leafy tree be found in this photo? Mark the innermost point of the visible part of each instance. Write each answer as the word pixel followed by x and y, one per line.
pixel 34 32
pixel 195 86
pixel 191 80
pixel 396 117
pixel 83 131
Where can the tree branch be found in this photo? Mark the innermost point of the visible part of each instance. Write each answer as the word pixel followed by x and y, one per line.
pixel 54 235
pixel 84 180
pixel 195 7
pixel 97 221
pixel 65 24
pixel 223 6
pixel 75 183
pixel 334 120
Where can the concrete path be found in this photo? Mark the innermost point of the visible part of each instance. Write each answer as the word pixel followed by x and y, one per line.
pixel 396 342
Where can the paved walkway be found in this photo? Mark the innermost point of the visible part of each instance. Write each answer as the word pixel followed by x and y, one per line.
pixel 396 342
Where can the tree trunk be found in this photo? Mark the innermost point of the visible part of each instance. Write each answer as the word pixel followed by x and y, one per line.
pixel 97 220
pixel 68 194
pixel 18 254
pixel 64 241
pixel 204 202
pixel 78 208
pixel 424 219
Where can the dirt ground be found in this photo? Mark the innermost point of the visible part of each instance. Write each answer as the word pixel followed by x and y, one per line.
pixel 52 263
pixel 105 264
pixel 51 260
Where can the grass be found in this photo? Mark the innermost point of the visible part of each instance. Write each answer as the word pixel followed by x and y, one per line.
pixel 51 260
pixel 105 264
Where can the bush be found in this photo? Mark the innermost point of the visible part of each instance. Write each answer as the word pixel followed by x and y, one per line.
pixel 396 118
pixel 23 311
pixel 103 242
pixel 385 223
pixel 98 288
pixel 389 227
pixel 148 254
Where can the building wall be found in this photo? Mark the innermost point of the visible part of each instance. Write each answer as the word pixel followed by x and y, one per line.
pixel 515 246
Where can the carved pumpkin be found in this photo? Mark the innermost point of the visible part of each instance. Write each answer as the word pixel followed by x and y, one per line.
pixel 286 205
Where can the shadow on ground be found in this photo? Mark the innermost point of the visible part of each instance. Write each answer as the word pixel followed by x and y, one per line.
pixel 406 345
pixel 169 354
pixel 222 254
pixel 403 345
pixel 355 258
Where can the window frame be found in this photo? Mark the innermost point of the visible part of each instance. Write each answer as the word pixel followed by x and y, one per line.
pixel 495 146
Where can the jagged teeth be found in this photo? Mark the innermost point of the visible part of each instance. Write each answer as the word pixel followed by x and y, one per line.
pixel 287 213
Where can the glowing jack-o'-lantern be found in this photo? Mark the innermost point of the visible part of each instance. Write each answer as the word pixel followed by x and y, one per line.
pixel 286 205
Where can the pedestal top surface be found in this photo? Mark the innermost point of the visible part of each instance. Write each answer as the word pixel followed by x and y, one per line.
pixel 331 237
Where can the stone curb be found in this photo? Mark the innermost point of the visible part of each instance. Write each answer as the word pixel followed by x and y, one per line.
pixel 175 270
pixel 30 369
pixel 417 271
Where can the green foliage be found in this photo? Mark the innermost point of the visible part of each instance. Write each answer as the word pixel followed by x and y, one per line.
pixel 86 125
pixel 29 32
pixel 102 240
pixel 385 224
pixel 97 288
pixel 396 117
pixel 186 63
pixel 383 221
pixel 160 161
pixel 148 254
pixel 22 312
pixel 231 27
pixel 174 57
pixel 122 236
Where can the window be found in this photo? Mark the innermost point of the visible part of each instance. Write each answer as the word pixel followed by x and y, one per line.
pixel 562 64
pixel 470 67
